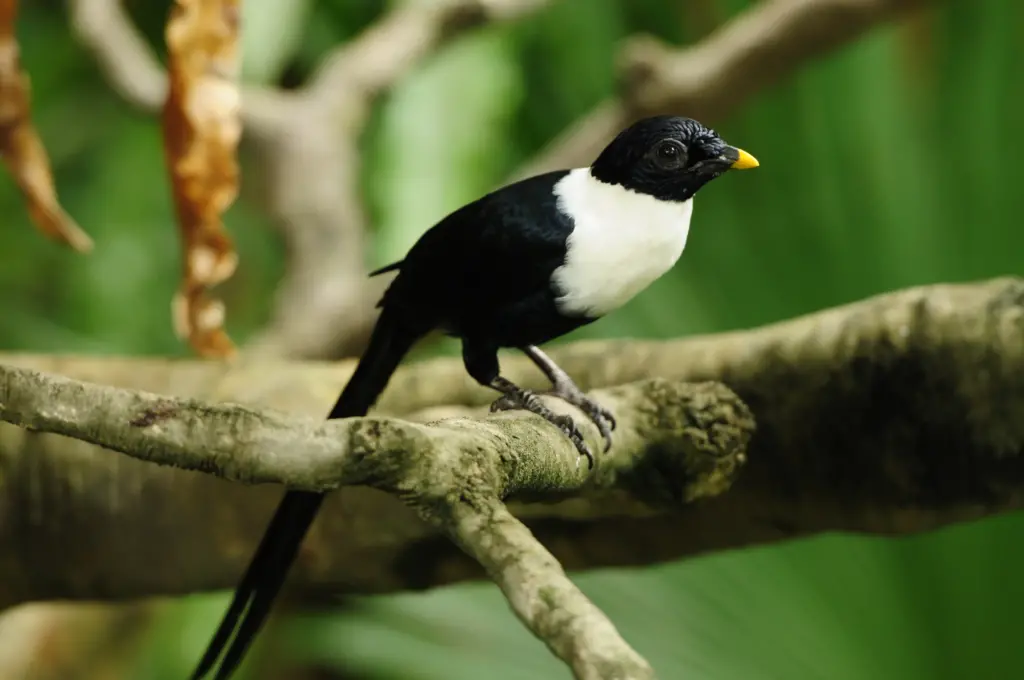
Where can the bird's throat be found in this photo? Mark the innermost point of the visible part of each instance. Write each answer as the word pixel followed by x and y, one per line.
pixel 621 242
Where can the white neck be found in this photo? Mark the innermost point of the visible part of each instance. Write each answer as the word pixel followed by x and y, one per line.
pixel 622 241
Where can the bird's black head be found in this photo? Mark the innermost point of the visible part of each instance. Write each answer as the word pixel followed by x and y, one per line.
pixel 668 157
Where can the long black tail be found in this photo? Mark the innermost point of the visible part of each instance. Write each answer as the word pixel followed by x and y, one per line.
pixel 263 579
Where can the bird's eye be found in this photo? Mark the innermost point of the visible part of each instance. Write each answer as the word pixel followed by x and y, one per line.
pixel 670 154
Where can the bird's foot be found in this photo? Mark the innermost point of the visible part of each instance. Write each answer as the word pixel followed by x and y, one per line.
pixel 570 393
pixel 527 400
pixel 602 417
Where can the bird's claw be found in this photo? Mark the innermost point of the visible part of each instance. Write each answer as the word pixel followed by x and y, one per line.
pixel 601 417
pixel 566 425
pixel 528 401
pixel 506 403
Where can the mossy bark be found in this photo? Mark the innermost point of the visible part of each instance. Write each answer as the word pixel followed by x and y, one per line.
pixel 901 413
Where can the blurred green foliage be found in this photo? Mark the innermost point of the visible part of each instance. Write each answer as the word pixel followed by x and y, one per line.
pixel 888 164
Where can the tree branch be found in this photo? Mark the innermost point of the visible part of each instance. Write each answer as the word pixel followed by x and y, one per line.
pixel 709 80
pixel 542 596
pixel 454 473
pixel 384 53
pixel 898 414
pixel 421 462
pixel 326 305
pixel 135 73
pixel 121 52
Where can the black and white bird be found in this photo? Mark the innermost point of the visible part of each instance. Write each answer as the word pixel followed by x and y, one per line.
pixel 516 268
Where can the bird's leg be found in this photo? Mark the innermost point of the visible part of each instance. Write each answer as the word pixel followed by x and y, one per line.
pixel 563 387
pixel 515 397
pixel 481 360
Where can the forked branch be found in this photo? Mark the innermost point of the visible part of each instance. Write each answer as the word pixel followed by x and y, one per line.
pixel 689 440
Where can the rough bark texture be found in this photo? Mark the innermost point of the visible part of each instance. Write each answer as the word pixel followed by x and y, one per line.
pixel 674 443
pixel 898 414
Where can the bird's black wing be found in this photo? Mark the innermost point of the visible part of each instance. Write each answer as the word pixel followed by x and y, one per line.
pixel 487 255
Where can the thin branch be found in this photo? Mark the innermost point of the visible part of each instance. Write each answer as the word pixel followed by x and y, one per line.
pixel 895 415
pixel 385 52
pixel 123 56
pixel 710 80
pixel 135 73
pixel 542 595
pixel 326 306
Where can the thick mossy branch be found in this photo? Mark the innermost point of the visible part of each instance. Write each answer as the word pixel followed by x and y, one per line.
pixel 687 440
pixel 898 414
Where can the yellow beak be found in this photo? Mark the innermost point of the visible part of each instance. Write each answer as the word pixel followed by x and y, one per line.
pixel 745 161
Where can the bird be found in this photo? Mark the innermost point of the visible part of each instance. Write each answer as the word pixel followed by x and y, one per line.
pixel 516 268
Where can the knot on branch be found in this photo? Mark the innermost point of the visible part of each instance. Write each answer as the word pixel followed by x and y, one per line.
pixel 696 443
pixel 675 443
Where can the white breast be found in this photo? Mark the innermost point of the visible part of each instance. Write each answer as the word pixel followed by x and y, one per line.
pixel 622 241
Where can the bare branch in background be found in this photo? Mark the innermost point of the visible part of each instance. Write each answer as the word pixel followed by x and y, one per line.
pixel 123 55
pixel 895 415
pixel 306 150
pixel 306 143
pixel 689 439
pixel 709 80
pixel 325 306
pixel 385 52
pixel 71 640
pixel 201 129
pixel 20 146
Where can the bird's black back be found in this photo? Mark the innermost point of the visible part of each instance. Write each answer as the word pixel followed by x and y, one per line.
pixel 485 269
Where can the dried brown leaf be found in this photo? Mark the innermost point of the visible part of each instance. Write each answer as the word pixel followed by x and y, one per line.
pixel 202 126
pixel 20 147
